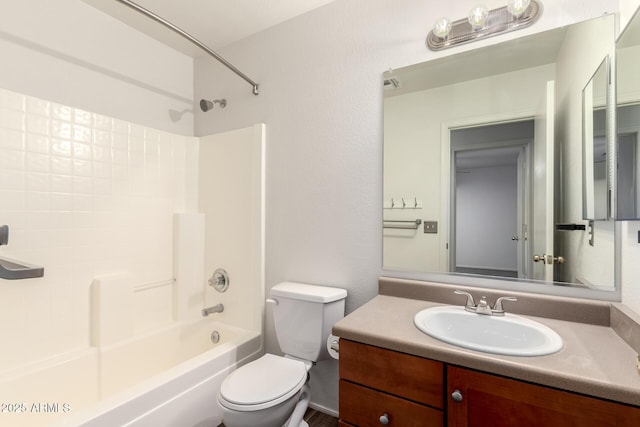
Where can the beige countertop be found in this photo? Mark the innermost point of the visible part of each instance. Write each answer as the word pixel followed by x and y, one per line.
pixel 594 360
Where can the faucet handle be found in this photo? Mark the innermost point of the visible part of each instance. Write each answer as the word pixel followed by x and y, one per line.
pixel 470 301
pixel 497 308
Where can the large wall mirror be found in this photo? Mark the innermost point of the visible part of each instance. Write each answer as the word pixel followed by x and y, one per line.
pixel 483 167
pixel 628 122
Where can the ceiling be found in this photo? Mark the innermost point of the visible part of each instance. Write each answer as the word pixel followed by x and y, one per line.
pixel 216 23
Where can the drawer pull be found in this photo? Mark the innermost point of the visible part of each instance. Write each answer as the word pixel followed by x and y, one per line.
pixel 384 419
pixel 456 396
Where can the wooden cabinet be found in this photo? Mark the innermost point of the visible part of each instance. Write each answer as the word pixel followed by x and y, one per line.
pixel 489 400
pixel 379 386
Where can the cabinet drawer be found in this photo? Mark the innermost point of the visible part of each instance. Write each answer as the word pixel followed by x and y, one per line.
pixel 363 407
pixel 396 373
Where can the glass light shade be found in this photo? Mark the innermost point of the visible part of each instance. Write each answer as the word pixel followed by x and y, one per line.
pixel 517 7
pixel 478 16
pixel 442 27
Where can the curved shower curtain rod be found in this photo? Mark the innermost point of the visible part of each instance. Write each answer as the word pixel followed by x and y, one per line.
pixel 192 39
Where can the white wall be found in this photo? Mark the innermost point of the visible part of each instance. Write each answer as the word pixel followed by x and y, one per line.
pixel 71 53
pixel 321 98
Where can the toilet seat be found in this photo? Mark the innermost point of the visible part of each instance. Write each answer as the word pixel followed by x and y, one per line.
pixel 263 383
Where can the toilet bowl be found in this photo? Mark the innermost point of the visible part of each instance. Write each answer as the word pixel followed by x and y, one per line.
pixel 264 392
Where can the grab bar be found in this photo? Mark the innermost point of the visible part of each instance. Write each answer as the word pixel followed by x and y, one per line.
pixel 405 225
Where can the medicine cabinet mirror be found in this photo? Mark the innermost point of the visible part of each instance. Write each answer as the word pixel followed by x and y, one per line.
pixel 596 194
pixel 627 200
pixel 483 167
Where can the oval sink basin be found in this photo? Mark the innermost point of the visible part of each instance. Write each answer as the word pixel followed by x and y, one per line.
pixel 508 335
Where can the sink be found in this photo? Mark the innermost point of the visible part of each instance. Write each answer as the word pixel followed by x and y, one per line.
pixel 510 334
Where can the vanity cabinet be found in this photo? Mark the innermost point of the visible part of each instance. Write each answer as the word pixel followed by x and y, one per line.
pixel 384 387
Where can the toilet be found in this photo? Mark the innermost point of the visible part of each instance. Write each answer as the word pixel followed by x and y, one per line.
pixel 271 391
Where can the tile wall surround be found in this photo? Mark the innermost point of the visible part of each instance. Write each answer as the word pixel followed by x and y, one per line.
pixel 83 195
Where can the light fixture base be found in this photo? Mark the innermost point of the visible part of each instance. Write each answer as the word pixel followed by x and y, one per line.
pixel 499 21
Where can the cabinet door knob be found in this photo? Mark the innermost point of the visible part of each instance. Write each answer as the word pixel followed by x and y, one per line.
pixel 456 396
pixel 384 419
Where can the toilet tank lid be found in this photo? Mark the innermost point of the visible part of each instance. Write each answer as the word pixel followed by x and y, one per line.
pixel 313 293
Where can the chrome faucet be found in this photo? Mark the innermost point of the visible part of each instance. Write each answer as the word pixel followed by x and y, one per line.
pixel 218 308
pixel 483 306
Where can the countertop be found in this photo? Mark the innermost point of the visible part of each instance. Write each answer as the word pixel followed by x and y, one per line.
pixel 594 360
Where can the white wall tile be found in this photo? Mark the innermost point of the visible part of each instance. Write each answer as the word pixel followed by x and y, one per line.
pixel 61 112
pixel 38 162
pixel 38 143
pixel 12 160
pixel 12 180
pixel 38 106
pixel 38 182
pixel 12 119
pixel 82 133
pixel 61 165
pixel 11 139
pixel 37 124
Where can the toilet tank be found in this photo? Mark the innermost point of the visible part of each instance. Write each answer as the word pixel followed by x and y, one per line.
pixel 304 315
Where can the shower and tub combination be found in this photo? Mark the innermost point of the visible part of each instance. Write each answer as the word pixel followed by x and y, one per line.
pixel 140 368
pixel 115 333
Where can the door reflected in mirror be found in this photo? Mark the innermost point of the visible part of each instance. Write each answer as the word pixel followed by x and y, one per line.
pixel 491 199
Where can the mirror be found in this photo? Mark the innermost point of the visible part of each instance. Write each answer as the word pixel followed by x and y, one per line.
pixel 628 122
pixel 595 109
pixel 483 166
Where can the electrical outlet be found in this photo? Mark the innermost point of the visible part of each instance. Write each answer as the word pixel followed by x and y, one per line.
pixel 431 227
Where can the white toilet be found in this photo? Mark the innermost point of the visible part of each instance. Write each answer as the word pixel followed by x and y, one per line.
pixel 272 391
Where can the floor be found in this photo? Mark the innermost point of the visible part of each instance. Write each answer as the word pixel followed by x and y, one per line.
pixel 316 419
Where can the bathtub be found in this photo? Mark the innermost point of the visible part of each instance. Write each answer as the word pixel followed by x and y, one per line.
pixel 169 377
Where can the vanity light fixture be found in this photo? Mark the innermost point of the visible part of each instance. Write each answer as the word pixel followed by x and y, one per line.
pixel 478 17
pixel 482 23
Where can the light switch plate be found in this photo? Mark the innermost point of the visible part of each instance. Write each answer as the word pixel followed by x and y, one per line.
pixel 430 227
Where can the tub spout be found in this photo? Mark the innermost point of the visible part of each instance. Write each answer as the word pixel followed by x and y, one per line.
pixel 218 308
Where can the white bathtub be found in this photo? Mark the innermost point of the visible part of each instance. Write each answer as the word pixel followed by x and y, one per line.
pixel 166 378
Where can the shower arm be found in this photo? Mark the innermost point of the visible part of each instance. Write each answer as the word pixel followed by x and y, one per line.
pixel 193 40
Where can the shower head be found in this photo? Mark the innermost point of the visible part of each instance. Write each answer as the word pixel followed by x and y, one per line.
pixel 206 105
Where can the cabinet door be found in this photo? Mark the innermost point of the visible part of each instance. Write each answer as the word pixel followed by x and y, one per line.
pixel 400 374
pixel 488 400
